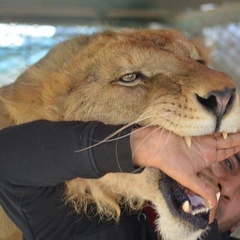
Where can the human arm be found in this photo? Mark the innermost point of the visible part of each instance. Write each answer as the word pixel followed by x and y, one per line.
pixel 43 153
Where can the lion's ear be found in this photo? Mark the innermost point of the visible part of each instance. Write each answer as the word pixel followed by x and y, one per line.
pixel 36 94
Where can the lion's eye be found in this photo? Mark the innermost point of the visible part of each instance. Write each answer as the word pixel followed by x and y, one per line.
pixel 129 77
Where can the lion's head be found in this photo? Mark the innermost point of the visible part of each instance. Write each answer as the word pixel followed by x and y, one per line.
pixel 148 77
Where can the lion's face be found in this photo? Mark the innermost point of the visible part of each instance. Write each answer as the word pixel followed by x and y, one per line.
pixel 156 79
pixel 144 76
pixel 149 77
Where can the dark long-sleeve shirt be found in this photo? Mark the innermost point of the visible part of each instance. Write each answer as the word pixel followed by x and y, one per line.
pixel 36 158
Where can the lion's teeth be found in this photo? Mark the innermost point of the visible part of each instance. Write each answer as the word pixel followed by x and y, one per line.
pixel 188 141
pixel 199 210
pixel 218 196
pixel 225 135
pixel 186 206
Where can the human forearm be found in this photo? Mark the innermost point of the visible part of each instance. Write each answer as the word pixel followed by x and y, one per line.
pixel 45 153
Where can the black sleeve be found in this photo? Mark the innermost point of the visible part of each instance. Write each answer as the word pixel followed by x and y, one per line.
pixel 212 232
pixel 44 153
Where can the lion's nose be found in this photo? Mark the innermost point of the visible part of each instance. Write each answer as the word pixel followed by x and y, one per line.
pixel 218 102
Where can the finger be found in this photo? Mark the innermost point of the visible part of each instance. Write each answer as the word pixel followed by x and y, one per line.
pixel 223 154
pixel 233 140
pixel 209 173
pixel 204 190
pixel 210 179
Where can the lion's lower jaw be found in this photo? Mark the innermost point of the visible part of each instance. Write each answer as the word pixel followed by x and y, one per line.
pixel 107 193
pixel 176 230
pixel 172 228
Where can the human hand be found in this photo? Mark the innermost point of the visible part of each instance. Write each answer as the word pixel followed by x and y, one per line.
pixel 161 149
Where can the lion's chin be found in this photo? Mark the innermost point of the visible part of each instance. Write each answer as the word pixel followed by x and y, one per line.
pixel 189 208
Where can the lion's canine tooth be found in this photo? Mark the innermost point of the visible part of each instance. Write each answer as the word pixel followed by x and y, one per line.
pixel 188 141
pixel 218 196
pixel 186 206
pixel 225 135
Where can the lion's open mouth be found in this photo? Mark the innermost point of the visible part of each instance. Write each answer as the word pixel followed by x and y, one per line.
pixel 189 208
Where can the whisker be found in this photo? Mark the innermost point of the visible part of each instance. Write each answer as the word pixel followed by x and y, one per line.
pixel 110 139
pixel 121 129
pixel 154 152
pixel 107 139
pixel 150 159
pixel 146 115
pixel 141 118
pixel 132 155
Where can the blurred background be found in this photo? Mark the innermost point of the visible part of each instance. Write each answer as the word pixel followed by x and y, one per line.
pixel 29 28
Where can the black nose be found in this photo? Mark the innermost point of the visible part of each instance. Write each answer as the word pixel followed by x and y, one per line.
pixel 218 102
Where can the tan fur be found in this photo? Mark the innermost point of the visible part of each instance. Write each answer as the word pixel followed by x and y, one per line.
pixel 80 80
pixel 8 229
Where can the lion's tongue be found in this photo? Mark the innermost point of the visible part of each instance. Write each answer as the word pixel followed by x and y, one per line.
pixel 194 205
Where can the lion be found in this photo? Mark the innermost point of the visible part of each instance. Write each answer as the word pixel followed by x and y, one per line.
pixel 144 77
